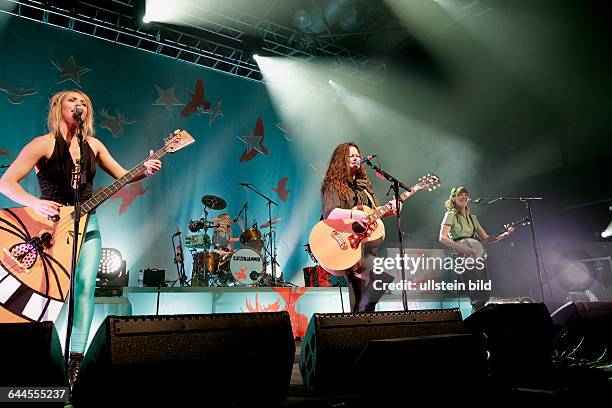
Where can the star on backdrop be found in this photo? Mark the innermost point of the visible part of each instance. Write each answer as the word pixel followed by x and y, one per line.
pixel 166 98
pixel 70 71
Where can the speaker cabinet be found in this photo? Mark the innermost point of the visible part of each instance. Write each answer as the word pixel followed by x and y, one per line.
pixel 333 342
pixel 218 358
pixel 31 355
pixel 517 338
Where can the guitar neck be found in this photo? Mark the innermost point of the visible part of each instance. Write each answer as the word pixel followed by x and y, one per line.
pixel 382 210
pixel 104 194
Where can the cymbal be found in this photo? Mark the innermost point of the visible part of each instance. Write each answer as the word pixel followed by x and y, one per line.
pixel 274 221
pixel 214 202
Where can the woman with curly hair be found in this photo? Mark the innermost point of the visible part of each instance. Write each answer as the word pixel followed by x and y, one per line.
pixel 345 186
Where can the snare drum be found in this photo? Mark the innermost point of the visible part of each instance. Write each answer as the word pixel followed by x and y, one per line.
pixel 251 238
pixel 246 266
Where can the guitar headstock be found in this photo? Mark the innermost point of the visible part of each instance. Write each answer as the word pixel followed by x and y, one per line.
pixel 430 182
pixel 177 140
pixel 520 223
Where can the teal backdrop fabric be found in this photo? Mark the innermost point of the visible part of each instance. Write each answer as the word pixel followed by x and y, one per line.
pixel 124 85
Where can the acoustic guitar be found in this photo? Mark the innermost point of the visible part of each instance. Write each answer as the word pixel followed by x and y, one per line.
pixel 36 252
pixel 338 244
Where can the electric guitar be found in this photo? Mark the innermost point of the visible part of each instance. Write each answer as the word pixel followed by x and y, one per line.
pixel 36 251
pixel 338 244
pixel 478 246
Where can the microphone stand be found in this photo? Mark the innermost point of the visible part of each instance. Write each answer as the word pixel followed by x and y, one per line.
pixel 536 245
pixel 78 180
pixel 179 259
pixel 244 208
pixel 396 184
pixel 272 239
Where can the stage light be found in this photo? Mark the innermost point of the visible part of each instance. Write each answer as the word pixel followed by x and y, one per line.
pixel 161 10
pixel 111 269
pixel 607 233
pixel 255 56
pixel 330 82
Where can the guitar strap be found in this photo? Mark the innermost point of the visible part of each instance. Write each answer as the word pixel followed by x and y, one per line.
pixel 372 201
pixel 473 227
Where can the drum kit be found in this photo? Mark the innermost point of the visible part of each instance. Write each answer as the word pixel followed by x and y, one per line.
pixel 215 263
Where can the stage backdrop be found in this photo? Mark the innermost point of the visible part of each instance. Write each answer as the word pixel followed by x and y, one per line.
pixel 282 148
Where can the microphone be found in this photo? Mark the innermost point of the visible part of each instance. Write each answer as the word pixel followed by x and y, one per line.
pixel 477 201
pixel 177 233
pixel 366 159
pixel 78 111
pixel 244 184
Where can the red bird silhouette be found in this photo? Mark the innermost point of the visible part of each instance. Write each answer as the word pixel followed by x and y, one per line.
pixel 197 101
pixel 281 189
pixel 127 195
pixel 251 150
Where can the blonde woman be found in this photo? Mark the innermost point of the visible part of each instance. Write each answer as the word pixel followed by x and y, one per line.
pixel 459 223
pixel 53 156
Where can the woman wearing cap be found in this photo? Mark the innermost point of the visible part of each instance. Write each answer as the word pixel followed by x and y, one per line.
pixel 460 223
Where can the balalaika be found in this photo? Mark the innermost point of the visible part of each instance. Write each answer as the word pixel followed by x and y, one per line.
pixel 35 252
pixel 338 244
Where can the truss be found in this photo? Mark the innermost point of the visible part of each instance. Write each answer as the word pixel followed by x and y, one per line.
pixel 206 42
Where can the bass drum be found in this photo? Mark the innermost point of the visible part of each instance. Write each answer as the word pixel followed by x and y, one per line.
pixel 246 266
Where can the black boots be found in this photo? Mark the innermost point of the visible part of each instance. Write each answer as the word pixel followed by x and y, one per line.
pixel 74 366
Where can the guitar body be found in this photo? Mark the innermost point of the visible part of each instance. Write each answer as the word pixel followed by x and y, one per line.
pixel 330 244
pixel 36 253
pixel 35 277
pixel 476 245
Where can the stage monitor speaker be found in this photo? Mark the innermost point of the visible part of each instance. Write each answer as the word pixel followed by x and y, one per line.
pixel 517 337
pixel 31 356
pixel 450 367
pixel 334 341
pixel 219 358
pixel 585 329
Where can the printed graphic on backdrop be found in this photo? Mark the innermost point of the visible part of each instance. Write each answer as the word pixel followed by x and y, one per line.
pixel 254 141
pixel 70 71
pixel 197 103
pixel 15 95
pixel 299 322
pixel 319 168
pixel 114 123
pixel 274 307
pixel 281 189
pixel 128 194
pixel 216 113
pixel 290 134
pixel 166 98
